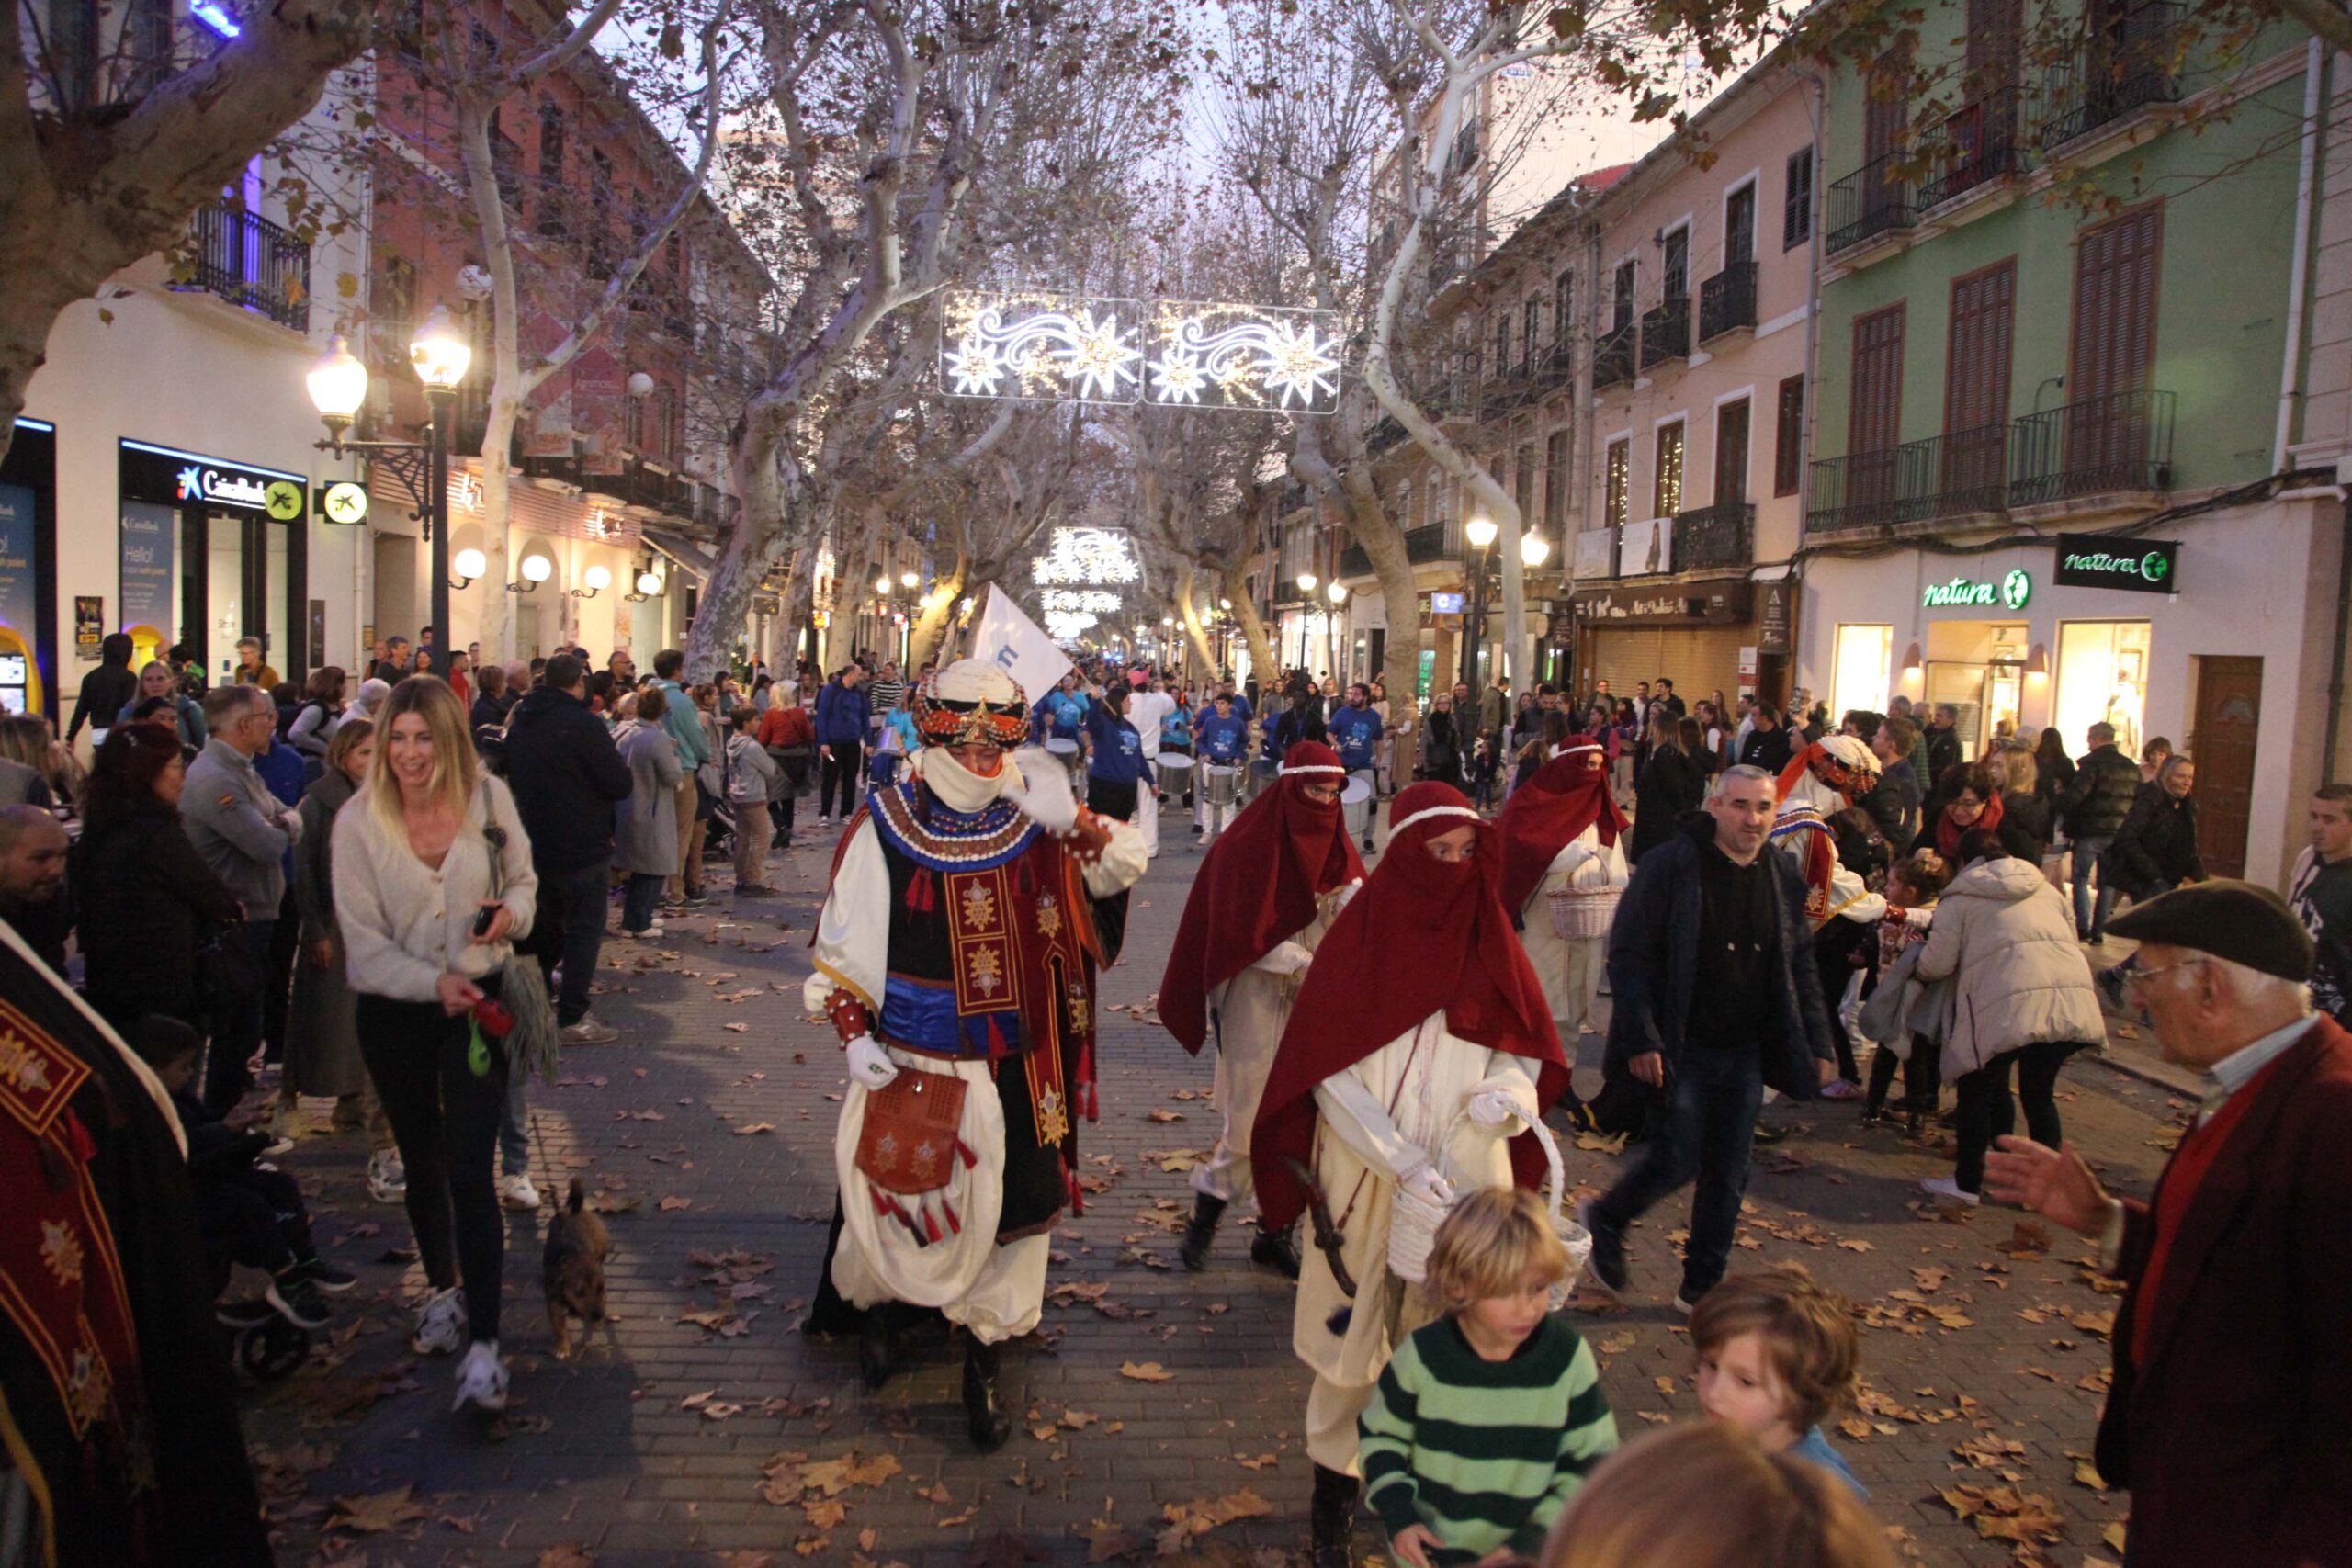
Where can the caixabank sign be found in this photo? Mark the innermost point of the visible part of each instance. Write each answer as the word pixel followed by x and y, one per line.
pixel 2104 561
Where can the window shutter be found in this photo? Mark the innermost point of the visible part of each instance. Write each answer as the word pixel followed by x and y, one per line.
pixel 1874 422
pixel 1731 454
pixel 1788 439
pixel 1796 208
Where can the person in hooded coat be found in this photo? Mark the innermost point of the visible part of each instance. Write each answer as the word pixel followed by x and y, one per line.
pixel 1262 900
pixel 1562 832
pixel 1419 1056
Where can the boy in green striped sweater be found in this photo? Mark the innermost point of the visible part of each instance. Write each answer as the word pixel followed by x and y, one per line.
pixel 1487 1421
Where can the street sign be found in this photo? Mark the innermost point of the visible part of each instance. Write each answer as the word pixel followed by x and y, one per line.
pixel 345 502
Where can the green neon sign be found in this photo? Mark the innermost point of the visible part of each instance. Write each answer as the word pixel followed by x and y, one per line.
pixel 2009 593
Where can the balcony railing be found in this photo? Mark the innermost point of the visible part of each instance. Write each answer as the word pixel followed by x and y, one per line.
pixel 1980 144
pixel 1872 200
pixel 1716 537
pixel 1957 472
pixel 1613 358
pixel 1859 490
pixel 2123 441
pixel 253 264
pixel 1666 333
pixel 1727 301
pixel 1530 381
pixel 1431 542
pixel 2127 65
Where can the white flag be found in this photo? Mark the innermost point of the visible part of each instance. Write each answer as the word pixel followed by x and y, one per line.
pixel 1012 641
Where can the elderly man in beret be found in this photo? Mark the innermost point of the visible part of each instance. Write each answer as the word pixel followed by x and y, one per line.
pixel 2230 1417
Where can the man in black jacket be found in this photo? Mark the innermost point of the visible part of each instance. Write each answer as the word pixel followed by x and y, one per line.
pixel 1717 998
pixel 567 776
pixel 2094 806
pixel 1943 744
pixel 106 691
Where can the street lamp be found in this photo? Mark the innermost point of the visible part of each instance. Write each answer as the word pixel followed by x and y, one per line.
pixel 649 586
pixel 1533 548
pixel 1480 531
pixel 469 564
pixel 597 579
pixel 338 383
pixel 536 571
pixel 909 579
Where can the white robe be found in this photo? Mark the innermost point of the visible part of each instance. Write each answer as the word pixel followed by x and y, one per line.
pixel 1361 1149
pixel 1571 970
pixel 996 1292
pixel 1250 1012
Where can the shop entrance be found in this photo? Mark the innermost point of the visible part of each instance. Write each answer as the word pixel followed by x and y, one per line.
pixel 1978 669
pixel 246 576
pixel 2229 721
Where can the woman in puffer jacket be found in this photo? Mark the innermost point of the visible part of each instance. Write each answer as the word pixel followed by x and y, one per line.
pixel 2022 1001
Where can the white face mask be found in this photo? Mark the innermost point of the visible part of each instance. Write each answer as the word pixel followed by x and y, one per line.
pixel 956 787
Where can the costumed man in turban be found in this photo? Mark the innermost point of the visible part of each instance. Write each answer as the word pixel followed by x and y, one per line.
pixel 1561 832
pixel 955 955
pixel 1269 889
pixel 1814 790
pixel 118 1438
pixel 1420 1055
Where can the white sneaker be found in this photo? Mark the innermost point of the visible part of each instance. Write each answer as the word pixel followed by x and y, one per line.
pixel 588 1031
pixel 647 934
pixel 482 1378
pixel 1950 1191
pixel 387 1178
pixel 514 1191
pixel 440 1324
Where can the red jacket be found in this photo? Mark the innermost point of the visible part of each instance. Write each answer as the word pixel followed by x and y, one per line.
pixel 2235 1438
pixel 787 724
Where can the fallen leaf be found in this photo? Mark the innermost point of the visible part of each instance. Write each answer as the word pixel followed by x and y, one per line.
pixel 1104 1541
pixel 825 1513
pixel 1167 1116
pixel 570 1554
pixel 750 1128
pixel 1854 1244
pixel 2086 1472
pixel 377 1512
pixel 674 1203
pixel 1145 1372
pixel 1263 1461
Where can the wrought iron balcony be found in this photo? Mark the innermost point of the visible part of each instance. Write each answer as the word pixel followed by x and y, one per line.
pixel 2127 65
pixel 1727 301
pixel 1716 537
pixel 2102 445
pixel 1666 333
pixel 253 264
pixel 1980 143
pixel 1957 472
pixel 1875 199
pixel 1613 358
pixel 1431 542
pixel 1860 489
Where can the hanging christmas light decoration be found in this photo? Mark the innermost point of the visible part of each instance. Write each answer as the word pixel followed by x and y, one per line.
pixel 1080 601
pixel 1040 344
pixel 1088 557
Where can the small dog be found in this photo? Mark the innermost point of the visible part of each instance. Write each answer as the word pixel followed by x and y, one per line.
pixel 573 1267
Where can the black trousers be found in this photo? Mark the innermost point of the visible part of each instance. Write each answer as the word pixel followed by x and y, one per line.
pixel 1834 946
pixel 1922 1077
pixel 1985 1113
pixel 278 985
pixel 839 770
pixel 252 1216
pixel 570 931
pixel 445 1122
pixel 1105 797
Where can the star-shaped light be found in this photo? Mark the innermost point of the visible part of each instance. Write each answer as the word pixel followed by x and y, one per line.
pixel 1097 357
pixel 1296 362
pixel 976 368
pixel 1178 377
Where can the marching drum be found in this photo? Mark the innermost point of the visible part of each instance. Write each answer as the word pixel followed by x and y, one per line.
pixel 1262 774
pixel 1175 772
pixel 1355 801
pixel 1222 785
pixel 1073 761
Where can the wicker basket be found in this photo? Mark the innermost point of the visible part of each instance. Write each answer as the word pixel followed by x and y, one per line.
pixel 1413 1223
pixel 1579 913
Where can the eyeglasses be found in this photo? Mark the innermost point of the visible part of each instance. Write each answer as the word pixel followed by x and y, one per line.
pixel 2135 983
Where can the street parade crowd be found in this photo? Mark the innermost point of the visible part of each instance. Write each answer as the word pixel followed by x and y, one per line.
pixel 388 890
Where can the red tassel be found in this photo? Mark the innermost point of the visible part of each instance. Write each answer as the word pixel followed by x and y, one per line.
pixel 954 1224
pixel 1076 1197
pixel 997 1046
pixel 1088 1098
pixel 881 1204
pixel 964 1153
pixel 919 892
pixel 930 1225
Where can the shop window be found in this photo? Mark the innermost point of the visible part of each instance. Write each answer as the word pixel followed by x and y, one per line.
pixel 1667 490
pixel 1865 664
pixel 2102 678
pixel 1620 465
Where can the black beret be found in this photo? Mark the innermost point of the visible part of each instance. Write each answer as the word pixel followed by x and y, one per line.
pixel 2235 920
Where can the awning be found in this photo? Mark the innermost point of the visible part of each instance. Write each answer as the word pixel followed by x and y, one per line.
pixel 689 553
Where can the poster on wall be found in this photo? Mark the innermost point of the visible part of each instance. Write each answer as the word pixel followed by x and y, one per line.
pixel 20 593
pixel 89 626
pixel 149 574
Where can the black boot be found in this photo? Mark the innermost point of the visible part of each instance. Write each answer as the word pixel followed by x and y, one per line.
pixel 874 1345
pixel 1277 1250
pixel 1200 1230
pixel 990 1426
pixel 1333 1517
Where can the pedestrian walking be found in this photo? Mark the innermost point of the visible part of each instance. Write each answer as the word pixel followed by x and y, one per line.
pixel 106 691
pixel 243 832
pixel 2320 891
pixel 567 776
pixel 1715 997
pixel 2231 1365
pixel 2092 807
pixel 1149 710
pixel 789 737
pixel 1670 788
pixel 1260 904
pixel 1441 747
pixel 415 867
pixel 645 826
pixel 2023 1001
pixel 752 778
pixel 1414 1112
pixel 841 741
pixel 2155 849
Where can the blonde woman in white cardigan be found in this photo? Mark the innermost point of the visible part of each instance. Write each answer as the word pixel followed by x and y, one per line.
pixel 425 939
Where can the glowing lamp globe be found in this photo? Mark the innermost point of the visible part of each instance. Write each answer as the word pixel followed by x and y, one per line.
pixel 338 383
pixel 649 583
pixel 440 352
pixel 469 564
pixel 597 577
pixel 539 569
pixel 1480 531
pixel 1532 550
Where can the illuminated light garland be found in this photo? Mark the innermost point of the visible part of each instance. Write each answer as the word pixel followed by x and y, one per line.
pixel 1036 344
pixel 1088 557
pixel 1074 601
pixel 1064 626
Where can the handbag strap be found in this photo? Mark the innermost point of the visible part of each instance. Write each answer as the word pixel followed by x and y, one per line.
pixel 494 835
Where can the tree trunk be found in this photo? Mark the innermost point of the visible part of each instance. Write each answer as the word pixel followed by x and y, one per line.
pixel 1188 607
pixel 506 388
pixel 938 613
pixel 763 531
pixel 1382 542
pixel 1253 626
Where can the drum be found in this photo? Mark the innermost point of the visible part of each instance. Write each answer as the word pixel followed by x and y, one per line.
pixel 1263 771
pixel 1223 785
pixel 1073 760
pixel 1355 803
pixel 1175 772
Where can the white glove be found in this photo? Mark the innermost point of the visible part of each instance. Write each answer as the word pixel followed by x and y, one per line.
pixel 1424 1182
pixel 1345 895
pixel 1287 958
pixel 1040 788
pixel 870 1065
pixel 1493 1107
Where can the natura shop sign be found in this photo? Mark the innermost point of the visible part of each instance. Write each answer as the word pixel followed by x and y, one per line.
pixel 2008 592
pixel 2103 560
